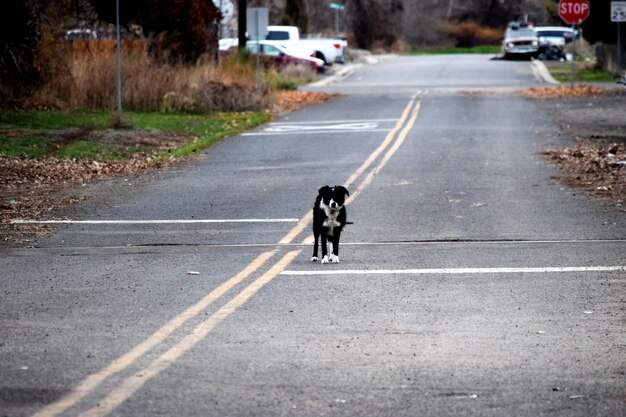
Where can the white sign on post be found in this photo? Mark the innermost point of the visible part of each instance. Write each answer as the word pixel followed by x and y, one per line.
pixel 618 15
pixel 618 11
pixel 257 19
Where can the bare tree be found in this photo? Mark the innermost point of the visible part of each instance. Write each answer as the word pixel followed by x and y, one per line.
pixel 295 14
pixel 499 12
pixel 29 31
pixel 418 22
pixel 18 37
pixel 376 21
pixel 179 30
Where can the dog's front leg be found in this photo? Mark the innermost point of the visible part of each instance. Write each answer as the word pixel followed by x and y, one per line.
pixel 315 258
pixel 324 248
pixel 334 257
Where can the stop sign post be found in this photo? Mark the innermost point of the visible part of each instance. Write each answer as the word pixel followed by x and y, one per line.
pixel 574 12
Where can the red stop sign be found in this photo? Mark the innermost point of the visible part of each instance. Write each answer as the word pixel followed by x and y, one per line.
pixel 574 11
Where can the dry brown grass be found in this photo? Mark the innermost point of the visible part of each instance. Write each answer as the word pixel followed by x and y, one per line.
pixel 470 34
pixel 82 74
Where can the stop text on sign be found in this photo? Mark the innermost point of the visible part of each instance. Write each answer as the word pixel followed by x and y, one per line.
pixel 574 8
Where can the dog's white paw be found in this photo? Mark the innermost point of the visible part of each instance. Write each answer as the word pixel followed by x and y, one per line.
pixel 314 259
pixel 334 259
pixel 325 260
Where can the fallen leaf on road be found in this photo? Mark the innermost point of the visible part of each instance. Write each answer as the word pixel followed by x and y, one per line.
pixel 562 91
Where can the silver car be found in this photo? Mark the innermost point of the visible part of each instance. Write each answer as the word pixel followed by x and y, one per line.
pixel 522 42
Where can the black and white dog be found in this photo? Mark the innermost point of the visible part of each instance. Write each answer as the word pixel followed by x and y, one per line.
pixel 329 217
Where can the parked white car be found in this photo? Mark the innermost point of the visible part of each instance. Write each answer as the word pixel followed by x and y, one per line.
pixel 328 50
pixel 80 34
pixel 226 43
pixel 284 55
pixel 555 35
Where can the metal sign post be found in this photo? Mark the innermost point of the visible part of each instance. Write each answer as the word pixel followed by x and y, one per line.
pixel 258 50
pixel 258 29
pixel 618 15
pixel 572 77
pixel 573 72
pixel 574 12
pixel 336 7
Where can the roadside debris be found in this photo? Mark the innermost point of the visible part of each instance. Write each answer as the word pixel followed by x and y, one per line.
pixel 30 187
pixel 459 395
pixel 294 99
pixel 193 273
pixel 562 91
pixel 597 168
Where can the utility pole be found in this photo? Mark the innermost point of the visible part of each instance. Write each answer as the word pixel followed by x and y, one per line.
pixel 242 23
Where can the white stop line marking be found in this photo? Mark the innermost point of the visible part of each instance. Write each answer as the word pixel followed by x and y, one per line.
pixel 448 271
pixel 173 221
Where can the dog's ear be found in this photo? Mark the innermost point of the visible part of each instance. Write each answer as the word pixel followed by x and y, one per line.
pixel 325 190
pixel 342 189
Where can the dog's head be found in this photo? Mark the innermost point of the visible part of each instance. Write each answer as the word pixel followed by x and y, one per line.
pixel 333 198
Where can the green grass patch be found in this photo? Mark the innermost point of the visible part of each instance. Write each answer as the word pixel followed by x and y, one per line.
pixel 37 134
pixel 85 149
pixel 54 119
pixel 584 72
pixel 481 49
pixel 29 146
pixel 207 130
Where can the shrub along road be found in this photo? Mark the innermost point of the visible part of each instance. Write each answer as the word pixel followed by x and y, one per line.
pixel 471 282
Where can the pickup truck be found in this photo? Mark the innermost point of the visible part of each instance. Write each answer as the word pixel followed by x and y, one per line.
pixel 328 50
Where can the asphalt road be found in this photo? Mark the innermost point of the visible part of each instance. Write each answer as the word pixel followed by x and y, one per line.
pixel 471 282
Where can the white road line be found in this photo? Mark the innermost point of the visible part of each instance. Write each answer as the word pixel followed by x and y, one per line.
pixel 172 221
pixel 361 126
pixel 129 386
pixel 449 271
pixel 310 132
pixel 320 122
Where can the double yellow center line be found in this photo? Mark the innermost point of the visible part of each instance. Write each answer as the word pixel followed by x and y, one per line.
pixel 131 384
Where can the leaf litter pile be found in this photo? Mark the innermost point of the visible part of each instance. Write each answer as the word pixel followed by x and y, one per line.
pixel 32 187
pixel 563 91
pixel 291 100
pixel 598 169
pixel 595 163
